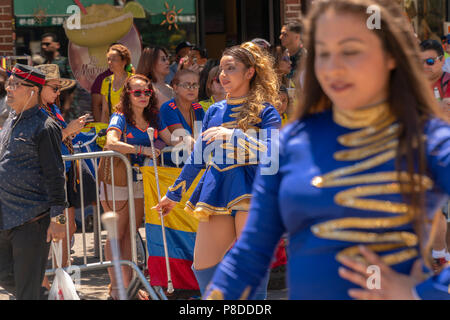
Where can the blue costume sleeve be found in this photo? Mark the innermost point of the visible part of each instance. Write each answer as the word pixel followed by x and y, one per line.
pixel 191 168
pixel 240 272
pixel 436 287
pixel 438 151
pixel 438 161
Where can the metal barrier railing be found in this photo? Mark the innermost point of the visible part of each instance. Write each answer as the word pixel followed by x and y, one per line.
pixel 154 294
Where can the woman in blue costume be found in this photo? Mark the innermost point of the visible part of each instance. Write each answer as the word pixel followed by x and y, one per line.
pixel 362 167
pixel 236 136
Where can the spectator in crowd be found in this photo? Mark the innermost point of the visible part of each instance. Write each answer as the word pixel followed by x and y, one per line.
pixel 283 65
pixel 182 50
pixel 96 95
pixel 75 101
pixel 119 63
pixel 195 60
pixel 4 108
pixel 446 46
pixel 432 56
pixel 204 74
pixel 32 183
pixel 154 64
pixel 214 89
pixel 183 114
pixel 284 105
pixel 50 92
pixel 291 40
pixel 262 43
pixel 50 51
pixel 127 134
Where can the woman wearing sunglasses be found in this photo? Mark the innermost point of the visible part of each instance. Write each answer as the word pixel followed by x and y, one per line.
pixel 214 89
pixel 235 137
pixel 50 92
pixel 182 115
pixel 127 134
pixel 362 167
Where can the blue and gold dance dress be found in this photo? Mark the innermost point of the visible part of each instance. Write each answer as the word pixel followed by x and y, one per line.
pixel 231 165
pixel 336 188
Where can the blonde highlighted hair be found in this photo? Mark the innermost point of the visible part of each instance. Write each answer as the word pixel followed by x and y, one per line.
pixel 264 85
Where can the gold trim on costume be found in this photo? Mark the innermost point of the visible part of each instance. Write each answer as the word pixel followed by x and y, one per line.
pixel 236 101
pixel 202 211
pixel 363 117
pixel 182 185
pixel 378 141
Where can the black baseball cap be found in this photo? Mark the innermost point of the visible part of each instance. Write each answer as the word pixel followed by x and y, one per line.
pixel 182 45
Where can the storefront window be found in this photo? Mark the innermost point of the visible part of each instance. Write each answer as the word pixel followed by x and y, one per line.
pixel 168 23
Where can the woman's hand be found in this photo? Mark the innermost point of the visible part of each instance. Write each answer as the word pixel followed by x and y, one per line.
pixel 393 285
pixel 217 133
pixel 147 151
pixel 75 126
pixel 165 206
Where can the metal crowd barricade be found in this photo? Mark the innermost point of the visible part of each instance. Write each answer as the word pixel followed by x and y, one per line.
pixel 138 274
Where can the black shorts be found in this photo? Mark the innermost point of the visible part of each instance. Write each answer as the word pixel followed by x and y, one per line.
pixel 73 188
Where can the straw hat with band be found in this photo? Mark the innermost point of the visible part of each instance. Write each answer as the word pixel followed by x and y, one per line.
pixel 29 74
pixel 51 72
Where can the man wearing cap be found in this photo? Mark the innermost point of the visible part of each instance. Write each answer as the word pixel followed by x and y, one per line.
pixel 182 50
pixel 32 197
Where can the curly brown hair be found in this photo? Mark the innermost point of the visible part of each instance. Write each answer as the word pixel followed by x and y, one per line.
pixel 263 86
pixel 150 112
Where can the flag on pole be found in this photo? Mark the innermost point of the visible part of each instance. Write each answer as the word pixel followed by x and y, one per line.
pixel 180 228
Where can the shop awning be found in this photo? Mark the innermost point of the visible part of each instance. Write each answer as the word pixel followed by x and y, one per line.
pixel 38 13
pixel 35 13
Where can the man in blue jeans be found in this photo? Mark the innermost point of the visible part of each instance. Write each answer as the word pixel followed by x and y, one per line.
pixel 32 197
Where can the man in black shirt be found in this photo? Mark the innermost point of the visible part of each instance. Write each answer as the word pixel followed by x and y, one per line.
pixel 32 197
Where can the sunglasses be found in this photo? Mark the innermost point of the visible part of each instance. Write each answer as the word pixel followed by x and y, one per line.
pixel 45 44
pixel 55 89
pixel 138 93
pixel 189 86
pixel 431 61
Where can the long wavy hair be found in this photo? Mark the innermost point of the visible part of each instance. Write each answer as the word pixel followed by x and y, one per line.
pixel 263 86
pixel 150 112
pixel 410 98
pixel 148 60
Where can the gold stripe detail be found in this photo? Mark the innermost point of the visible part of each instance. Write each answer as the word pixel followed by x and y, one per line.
pixel 182 185
pixel 377 141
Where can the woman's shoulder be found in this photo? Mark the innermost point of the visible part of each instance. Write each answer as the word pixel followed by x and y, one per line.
pixel 307 125
pixel 168 105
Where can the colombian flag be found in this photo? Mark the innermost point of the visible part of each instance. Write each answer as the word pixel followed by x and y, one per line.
pixel 180 229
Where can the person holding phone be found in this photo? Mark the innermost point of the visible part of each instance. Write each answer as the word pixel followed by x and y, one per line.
pixel 49 98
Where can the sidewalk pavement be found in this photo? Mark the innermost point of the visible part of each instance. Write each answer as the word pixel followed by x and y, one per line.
pixel 94 284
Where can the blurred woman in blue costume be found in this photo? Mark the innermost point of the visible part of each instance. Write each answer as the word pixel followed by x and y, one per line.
pixel 236 134
pixel 363 167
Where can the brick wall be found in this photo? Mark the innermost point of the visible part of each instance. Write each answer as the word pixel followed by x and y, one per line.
pixel 292 10
pixel 6 28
